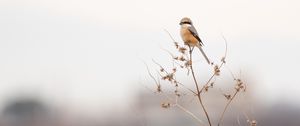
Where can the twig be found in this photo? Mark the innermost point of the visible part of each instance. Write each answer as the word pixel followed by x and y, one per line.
pixel 197 87
pixel 184 109
pixel 238 120
pixel 157 83
pixel 230 100
pixel 223 62
pixel 173 78
pixel 190 113
pixel 170 35
pixel 225 46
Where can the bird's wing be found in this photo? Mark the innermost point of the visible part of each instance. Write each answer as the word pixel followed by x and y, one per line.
pixel 195 34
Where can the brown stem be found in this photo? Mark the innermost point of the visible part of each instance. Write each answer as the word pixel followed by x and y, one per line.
pixel 173 78
pixel 189 112
pixel 230 100
pixel 223 62
pixel 207 83
pixel 197 87
pixel 149 73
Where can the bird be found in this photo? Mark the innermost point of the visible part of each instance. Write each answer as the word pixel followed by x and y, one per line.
pixel 190 36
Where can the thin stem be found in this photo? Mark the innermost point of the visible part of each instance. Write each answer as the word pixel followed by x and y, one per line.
pixel 189 112
pixel 197 87
pixel 223 62
pixel 173 78
pixel 149 73
pixel 209 80
pixel 230 100
pixel 186 87
pixel 170 35
pixel 184 109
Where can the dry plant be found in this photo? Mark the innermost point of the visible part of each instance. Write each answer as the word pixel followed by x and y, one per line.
pixel 184 61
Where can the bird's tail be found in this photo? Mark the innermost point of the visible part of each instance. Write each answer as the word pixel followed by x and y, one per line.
pixel 203 53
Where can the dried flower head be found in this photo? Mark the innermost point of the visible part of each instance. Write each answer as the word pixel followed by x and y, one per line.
pixel 188 63
pixel 168 77
pixel 237 88
pixel 177 93
pixel 176 45
pixel 206 88
pixel 223 60
pixel 158 89
pixel 239 82
pixel 227 96
pixel 212 84
pixel 181 58
pixel 174 70
pixel 166 105
pixel 182 50
pixel 175 82
pixel 239 85
pixel 217 70
pixel 162 70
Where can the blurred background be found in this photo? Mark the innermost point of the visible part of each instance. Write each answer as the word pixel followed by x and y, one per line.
pixel 79 63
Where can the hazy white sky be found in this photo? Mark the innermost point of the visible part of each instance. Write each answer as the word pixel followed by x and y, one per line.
pixel 89 51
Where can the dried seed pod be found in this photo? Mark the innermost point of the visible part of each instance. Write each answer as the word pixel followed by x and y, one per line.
pixel 217 70
pixel 181 58
pixel 176 45
pixel 158 89
pixel 227 96
pixel 161 70
pixel 182 50
pixel 174 70
pixel 165 105
pixel 205 88
pixel 223 60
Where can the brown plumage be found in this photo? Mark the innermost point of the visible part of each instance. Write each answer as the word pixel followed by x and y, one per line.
pixel 190 36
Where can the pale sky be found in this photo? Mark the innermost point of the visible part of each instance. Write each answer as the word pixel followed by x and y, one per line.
pixel 90 51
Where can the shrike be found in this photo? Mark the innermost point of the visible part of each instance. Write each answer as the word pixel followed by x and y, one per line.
pixel 190 36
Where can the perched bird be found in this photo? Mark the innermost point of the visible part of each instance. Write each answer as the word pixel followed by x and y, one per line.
pixel 190 36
